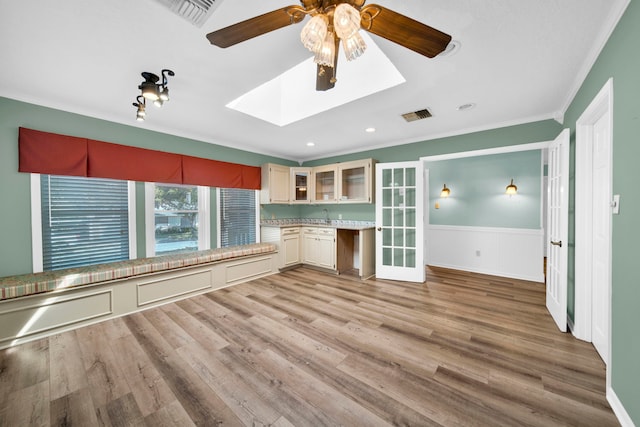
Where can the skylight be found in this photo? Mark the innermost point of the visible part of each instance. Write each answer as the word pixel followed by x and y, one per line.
pixel 292 96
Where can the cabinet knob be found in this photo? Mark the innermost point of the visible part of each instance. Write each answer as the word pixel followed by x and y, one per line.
pixel 379 228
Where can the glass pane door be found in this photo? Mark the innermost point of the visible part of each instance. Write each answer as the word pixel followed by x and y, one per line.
pixel 399 214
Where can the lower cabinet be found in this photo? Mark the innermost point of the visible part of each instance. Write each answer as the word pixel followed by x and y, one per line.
pixel 319 247
pixel 290 247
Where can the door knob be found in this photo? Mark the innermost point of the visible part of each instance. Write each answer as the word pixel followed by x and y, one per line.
pixel 559 243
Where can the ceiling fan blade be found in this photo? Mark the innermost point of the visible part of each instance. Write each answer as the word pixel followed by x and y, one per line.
pixel 257 26
pixel 403 30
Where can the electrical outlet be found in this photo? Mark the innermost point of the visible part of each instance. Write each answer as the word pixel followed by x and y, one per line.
pixel 339 216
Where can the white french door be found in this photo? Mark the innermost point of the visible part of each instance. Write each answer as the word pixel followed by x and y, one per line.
pixel 558 228
pixel 399 221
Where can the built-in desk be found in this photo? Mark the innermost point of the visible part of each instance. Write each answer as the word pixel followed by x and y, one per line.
pixel 356 247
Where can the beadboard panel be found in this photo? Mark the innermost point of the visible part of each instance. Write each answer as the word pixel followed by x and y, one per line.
pixel 508 252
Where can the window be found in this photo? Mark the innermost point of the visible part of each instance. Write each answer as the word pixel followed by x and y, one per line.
pixel 238 212
pixel 80 221
pixel 177 218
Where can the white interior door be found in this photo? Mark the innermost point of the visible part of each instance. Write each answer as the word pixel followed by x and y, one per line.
pixel 558 230
pixel 399 221
pixel 601 254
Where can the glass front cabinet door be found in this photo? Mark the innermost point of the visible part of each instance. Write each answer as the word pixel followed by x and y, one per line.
pixel 355 181
pixel 301 185
pixel 324 179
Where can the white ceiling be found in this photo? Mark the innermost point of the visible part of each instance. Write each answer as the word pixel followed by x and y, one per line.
pixel 518 62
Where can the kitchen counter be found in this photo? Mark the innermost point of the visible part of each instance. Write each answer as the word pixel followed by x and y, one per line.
pixel 334 223
pixel 353 243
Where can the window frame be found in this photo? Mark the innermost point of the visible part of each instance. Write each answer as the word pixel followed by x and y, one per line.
pixel 219 216
pixel 36 222
pixel 204 216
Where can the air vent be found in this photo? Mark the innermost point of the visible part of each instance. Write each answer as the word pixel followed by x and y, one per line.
pixel 417 115
pixel 194 11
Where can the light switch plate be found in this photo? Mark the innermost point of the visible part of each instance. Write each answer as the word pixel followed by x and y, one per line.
pixel 616 204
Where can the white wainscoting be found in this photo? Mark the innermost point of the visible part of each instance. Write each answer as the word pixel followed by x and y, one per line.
pixel 508 252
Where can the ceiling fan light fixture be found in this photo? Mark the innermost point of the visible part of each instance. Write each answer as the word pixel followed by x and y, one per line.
pixel 327 53
pixel 354 46
pixel 314 33
pixel 346 20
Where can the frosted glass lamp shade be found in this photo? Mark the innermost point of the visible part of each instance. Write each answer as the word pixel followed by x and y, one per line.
pixel 354 46
pixel 346 20
pixel 314 33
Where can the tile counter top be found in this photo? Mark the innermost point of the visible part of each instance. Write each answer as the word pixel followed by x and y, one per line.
pixel 314 222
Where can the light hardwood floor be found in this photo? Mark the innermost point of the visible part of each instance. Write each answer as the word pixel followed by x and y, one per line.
pixel 304 348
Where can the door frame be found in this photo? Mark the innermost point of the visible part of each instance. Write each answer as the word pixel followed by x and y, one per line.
pixel 542 146
pixel 601 104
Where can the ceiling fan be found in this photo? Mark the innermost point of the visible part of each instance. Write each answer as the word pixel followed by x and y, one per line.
pixel 334 21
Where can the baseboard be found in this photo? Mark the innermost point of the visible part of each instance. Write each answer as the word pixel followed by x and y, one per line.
pixel 618 409
pixel 538 278
pixel 570 325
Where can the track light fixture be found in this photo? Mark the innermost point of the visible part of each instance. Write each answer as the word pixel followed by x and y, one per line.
pixel 141 105
pixel 150 89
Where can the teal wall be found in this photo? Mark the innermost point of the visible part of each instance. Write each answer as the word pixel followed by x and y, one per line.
pixel 478 185
pixel 619 59
pixel 15 215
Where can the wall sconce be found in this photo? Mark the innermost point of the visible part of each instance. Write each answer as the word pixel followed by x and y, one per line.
pixel 153 91
pixel 512 190
pixel 445 192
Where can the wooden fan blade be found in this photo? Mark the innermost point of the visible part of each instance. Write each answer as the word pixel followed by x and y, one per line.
pixel 403 30
pixel 257 26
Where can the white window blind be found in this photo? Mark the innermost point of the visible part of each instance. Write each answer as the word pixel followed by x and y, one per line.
pixel 84 221
pixel 237 216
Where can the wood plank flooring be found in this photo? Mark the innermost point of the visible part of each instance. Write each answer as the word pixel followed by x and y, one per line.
pixel 304 348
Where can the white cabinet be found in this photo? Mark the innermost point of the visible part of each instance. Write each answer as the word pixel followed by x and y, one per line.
pixel 289 247
pixel 355 181
pixel 319 247
pixel 301 185
pixel 349 182
pixel 325 183
pixel 288 241
pixel 275 184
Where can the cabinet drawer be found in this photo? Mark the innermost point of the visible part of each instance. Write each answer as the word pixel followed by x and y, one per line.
pixel 310 230
pixel 326 231
pixel 288 231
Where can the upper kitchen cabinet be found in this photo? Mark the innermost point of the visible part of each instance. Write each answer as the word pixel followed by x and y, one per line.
pixel 355 181
pixel 326 184
pixel 301 185
pixel 275 184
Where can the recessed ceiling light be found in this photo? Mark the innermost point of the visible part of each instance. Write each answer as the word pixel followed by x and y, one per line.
pixel 311 144
pixel 370 130
pixel 465 107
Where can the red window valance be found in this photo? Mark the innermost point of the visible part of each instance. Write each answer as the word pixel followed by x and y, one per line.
pixel 50 153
